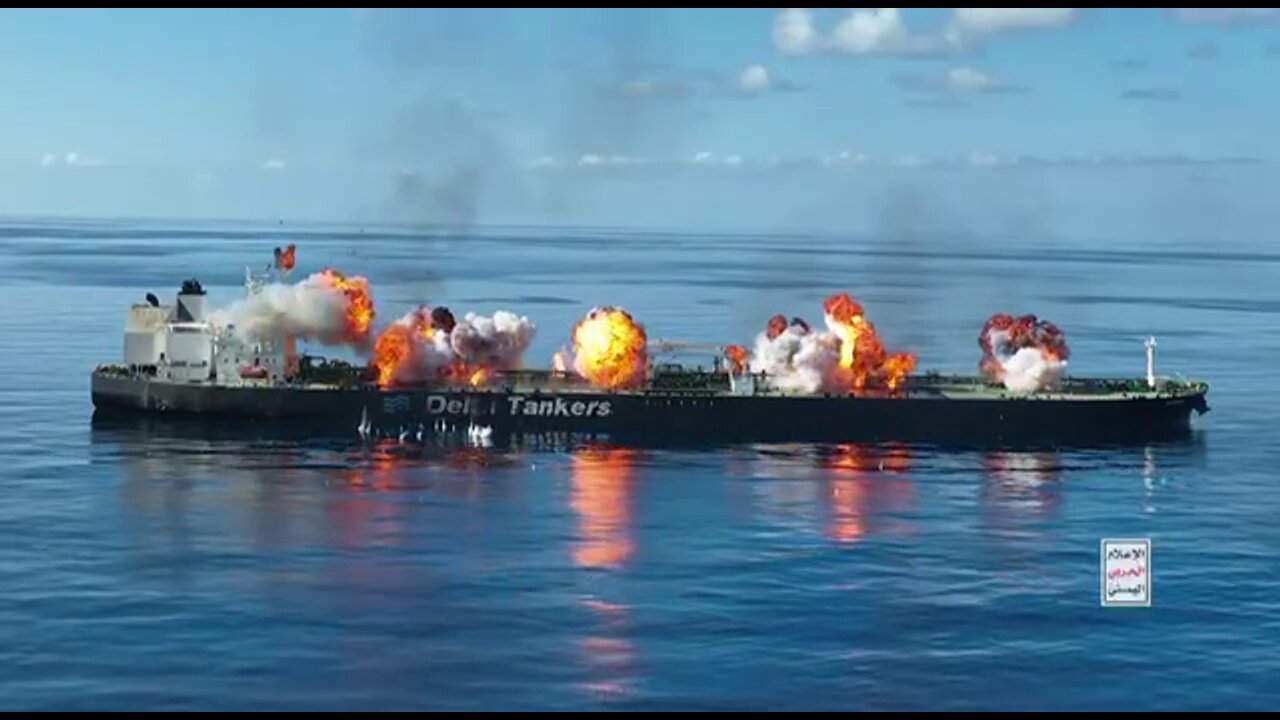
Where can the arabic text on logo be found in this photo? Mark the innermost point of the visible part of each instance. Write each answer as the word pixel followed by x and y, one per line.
pixel 1125 567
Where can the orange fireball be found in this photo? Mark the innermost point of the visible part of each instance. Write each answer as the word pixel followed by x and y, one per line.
pixel 359 303
pixel 861 351
pixel 393 347
pixel 610 348
pixel 737 356
pixel 286 258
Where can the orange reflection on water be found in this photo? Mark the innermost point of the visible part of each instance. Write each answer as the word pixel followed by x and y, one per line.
pixel 858 473
pixel 609 657
pixel 601 496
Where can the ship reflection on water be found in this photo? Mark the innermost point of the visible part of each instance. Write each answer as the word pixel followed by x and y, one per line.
pixel 1021 485
pixel 844 492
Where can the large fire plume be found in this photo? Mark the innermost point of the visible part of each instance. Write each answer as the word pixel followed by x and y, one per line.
pixel 429 344
pixel 848 357
pixel 1025 353
pixel 327 307
pixel 610 349
pixel 861 351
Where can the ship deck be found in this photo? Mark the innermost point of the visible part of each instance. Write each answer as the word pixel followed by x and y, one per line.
pixel 704 384
pixel 959 389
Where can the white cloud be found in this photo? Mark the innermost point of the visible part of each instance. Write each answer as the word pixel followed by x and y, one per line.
pixel 71 159
pixel 1225 15
pixel 986 21
pixel 844 157
pixel 910 162
pixel 593 160
pixel 546 161
pixel 878 30
pixel 871 31
pixel 986 160
pixel 710 159
pixel 967 79
pixel 754 79
pixel 794 33
pixel 274 164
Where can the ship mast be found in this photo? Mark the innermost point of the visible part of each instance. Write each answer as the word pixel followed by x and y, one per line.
pixel 1151 361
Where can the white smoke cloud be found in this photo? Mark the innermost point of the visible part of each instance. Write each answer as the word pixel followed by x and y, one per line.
pixel 427 354
pixel 497 341
pixel 1029 370
pixel 312 309
pixel 798 360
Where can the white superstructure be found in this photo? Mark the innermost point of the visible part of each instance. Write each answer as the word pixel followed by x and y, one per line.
pixel 182 345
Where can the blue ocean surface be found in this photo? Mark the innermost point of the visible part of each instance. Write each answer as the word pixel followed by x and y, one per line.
pixel 151 567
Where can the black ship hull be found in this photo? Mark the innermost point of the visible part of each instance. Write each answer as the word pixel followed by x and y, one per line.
pixel 916 416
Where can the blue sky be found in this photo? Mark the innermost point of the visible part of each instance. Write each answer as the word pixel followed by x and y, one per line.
pixel 852 120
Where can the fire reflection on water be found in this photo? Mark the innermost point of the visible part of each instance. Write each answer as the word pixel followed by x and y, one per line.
pixel 853 486
pixel 602 479
pixel 845 492
pixel 608 656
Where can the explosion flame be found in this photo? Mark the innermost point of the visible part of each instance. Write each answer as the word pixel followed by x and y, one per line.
pixel 429 344
pixel 286 258
pixel 737 356
pixel 328 307
pixel 609 349
pixel 861 351
pixel 848 357
pixel 359 314
pixel 1024 353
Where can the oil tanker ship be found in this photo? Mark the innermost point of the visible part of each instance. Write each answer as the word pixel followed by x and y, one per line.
pixel 181 362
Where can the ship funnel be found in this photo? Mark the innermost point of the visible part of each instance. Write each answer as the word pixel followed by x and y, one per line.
pixel 191 302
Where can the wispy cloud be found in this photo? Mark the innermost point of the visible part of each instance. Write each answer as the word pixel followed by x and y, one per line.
pixel 757 80
pixel 592 160
pixel 1131 63
pixel 941 102
pixel 1153 94
pixel 956 81
pixel 754 80
pixel 851 160
pixel 71 159
pixel 1204 51
pixel 657 89
pixel 1226 15
pixel 882 31
pixel 274 164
